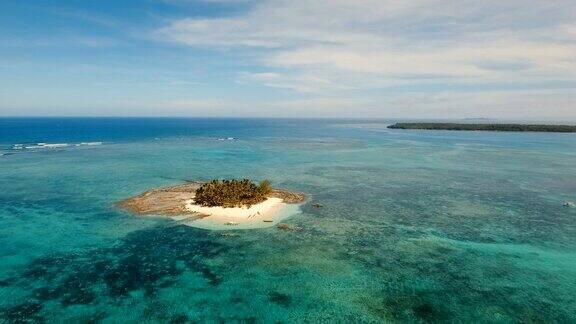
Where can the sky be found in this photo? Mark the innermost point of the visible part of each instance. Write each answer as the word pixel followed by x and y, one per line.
pixel 512 59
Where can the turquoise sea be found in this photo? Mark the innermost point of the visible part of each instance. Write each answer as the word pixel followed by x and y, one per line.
pixel 417 226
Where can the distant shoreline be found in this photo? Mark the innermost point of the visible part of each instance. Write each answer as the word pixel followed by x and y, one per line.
pixel 487 127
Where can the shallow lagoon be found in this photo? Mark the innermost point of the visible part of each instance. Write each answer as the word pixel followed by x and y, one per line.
pixel 416 225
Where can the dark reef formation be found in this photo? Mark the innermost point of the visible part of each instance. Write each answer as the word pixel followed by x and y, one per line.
pixel 146 260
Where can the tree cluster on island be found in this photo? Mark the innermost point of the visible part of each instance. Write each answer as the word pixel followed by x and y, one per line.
pixel 487 127
pixel 232 193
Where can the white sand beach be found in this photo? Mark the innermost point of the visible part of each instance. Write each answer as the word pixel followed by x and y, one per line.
pixel 265 214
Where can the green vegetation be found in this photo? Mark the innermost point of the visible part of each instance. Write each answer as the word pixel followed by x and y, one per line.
pixel 232 193
pixel 487 127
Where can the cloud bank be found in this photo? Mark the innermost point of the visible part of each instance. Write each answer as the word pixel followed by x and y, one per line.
pixel 325 46
pixel 513 59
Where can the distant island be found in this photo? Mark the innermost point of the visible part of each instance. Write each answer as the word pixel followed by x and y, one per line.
pixel 487 127
pixel 218 204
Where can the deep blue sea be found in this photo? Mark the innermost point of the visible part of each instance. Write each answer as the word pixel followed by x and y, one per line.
pixel 417 226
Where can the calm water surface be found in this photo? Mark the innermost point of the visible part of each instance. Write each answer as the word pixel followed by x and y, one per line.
pixel 417 226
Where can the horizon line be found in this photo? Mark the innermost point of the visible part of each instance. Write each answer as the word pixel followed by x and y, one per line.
pixel 477 119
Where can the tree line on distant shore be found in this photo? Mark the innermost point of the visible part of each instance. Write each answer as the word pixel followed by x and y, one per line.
pixel 487 127
pixel 232 193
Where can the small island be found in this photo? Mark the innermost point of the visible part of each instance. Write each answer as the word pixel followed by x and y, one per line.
pixel 218 204
pixel 487 127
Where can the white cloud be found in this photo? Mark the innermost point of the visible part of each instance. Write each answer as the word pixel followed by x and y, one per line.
pixel 198 104
pixel 310 83
pixel 344 58
pixel 535 104
pixel 331 45
pixel 65 41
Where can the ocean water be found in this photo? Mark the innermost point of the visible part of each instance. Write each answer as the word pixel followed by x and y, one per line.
pixel 417 226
